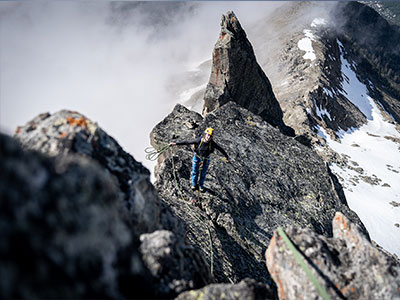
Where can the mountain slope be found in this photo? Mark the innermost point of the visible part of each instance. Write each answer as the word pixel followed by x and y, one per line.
pixel 333 81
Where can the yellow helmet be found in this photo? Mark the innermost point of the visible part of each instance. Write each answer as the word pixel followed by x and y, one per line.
pixel 209 131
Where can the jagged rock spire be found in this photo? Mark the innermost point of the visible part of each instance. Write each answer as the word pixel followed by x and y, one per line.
pixel 236 75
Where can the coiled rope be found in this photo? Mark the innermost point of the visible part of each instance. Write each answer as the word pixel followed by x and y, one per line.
pixel 297 255
pixel 152 153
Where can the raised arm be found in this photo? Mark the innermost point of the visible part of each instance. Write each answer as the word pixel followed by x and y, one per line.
pixel 188 142
pixel 219 148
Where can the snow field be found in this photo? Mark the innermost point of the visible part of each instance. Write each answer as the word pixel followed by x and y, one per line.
pixel 371 179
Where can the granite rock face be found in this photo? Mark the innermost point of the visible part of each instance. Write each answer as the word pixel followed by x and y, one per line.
pixel 246 289
pixel 271 180
pixel 236 76
pixel 68 132
pixel 347 265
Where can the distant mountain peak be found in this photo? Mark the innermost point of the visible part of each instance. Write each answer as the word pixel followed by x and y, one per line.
pixel 236 76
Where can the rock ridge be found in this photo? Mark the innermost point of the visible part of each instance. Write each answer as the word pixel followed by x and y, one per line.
pixel 272 180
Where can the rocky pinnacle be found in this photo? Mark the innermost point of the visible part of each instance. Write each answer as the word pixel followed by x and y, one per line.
pixel 236 76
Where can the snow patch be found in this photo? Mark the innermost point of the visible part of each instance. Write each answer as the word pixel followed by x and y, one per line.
pixel 372 176
pixel 322 133
pixel 318 22
pixel 305 44
pixel 328 92
pixel 322 112
pixel 355 91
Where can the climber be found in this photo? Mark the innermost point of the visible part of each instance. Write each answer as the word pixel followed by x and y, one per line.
pixel 203 147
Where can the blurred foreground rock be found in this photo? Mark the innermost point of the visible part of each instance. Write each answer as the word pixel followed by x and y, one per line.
pixel 72 222
pixel 68 132
pixel 178 266
pixel 61 231
pixel 347 265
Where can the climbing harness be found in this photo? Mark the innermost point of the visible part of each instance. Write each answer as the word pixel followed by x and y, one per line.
pixel 201 142
pixel 300 260
pixel 153 153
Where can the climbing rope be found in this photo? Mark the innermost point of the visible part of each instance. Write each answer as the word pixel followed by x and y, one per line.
pixel 320 289
pixel 153 153
pixel 211 252
pixel 182 199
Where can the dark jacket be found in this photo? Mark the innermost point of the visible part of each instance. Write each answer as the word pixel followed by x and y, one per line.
pixel 203 149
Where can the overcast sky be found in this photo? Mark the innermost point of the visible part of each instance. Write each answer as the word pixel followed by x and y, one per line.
pixel 111 61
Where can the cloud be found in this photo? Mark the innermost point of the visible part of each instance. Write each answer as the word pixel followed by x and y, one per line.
pixel 111 61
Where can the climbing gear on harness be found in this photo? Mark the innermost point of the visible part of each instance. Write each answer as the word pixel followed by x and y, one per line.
pixel 153 153
pixel 297 255
pixel 209 131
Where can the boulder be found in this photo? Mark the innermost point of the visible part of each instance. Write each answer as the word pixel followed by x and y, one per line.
pixel 66 132
pixel 177 266
pixel 61 230
pixel 347 265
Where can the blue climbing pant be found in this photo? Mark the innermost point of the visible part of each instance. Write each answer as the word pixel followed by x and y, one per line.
pixel 196 167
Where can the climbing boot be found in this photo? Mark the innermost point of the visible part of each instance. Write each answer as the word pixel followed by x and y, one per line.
pixel 202 189
pixel 194 188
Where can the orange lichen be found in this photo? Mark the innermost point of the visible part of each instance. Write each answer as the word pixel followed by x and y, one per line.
pixel 281 291
pixel 216 57
pixel 337 218
pixel 81 122
pixel 18 130
pixel 63 135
